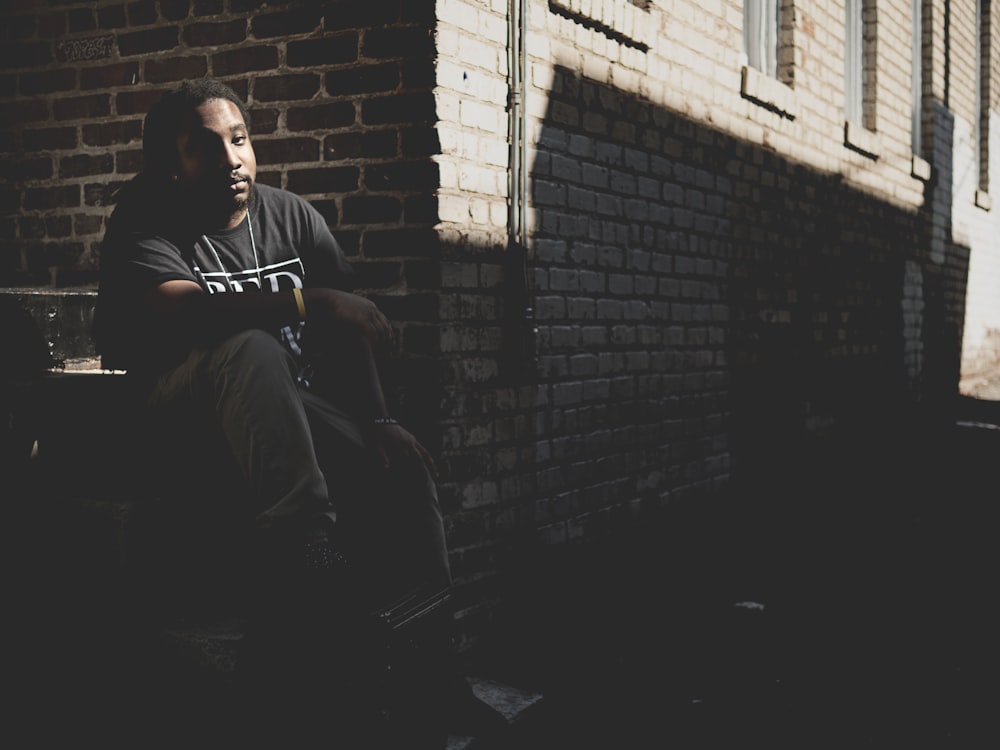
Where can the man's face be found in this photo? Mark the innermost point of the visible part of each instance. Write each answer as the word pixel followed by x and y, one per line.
pixel 216 163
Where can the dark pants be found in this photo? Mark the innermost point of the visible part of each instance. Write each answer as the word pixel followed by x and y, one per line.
pixel 236 412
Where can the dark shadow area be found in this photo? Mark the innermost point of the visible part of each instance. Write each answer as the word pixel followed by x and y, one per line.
pixel 835 595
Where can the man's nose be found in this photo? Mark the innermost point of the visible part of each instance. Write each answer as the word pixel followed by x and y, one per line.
pixel 230 157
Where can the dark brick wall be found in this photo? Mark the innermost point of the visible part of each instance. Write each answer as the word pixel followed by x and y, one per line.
pixel 705 300
pixel 337 91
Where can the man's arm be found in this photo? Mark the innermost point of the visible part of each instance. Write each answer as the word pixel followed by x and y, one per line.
pixel 352 324
pixel 185 311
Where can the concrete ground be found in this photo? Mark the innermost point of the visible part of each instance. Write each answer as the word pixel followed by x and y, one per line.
pixel 841 596
pixel 848 603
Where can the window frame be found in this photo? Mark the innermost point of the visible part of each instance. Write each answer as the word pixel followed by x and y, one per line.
pixel 762 36
pixel 981 128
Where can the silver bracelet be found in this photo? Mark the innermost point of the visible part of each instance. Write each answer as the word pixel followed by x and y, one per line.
pixel 384 420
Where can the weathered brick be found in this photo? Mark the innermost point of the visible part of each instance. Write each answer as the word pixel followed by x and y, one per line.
pixel 410 307
pixel 84 224
pixel 418 74
pixel 324 180
pixel 81 19
pixel 400 242
pixel 242 6
pixel 141 12
pixel 244 60
pixel 27 169
pixel 25 55
pixel 82 165
pixel 19 27
pixel 362 15
pixel 263 120
pixel 175 10
pixel 415 175
pixel 371 209
pixel 136 102
pixel 31 227
pixel 64 196
pixel 107 76
pixel 402 108
pixel 144 42
pixel 176 69
pixel 362 80
pixel 286 23
pixel 82 107
pixel 52 25
pixel 41 139
pixel 327 116
pixel 8 86
pixel 286 150
pixel 406 41
pixel 421 209
pixel 422 274
pixel 214 34
pixel 208 7
pixel 47 82
pixel 35 110
pixel 327 50
pixel 100 193
pixel 128 162
pixel 286 87
pixel 377 274
pixel 10 201
pixel 112 133
pixel 420 141
pixel 111 17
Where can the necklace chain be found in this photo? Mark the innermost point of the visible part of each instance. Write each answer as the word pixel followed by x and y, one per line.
pixel 253 247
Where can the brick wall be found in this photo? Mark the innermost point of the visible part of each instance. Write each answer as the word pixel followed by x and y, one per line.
pixel 342 107
pixel 717 267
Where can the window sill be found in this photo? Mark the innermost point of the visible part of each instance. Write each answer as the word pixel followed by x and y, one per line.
pixel 860 139
pixel 768 92
pixel 983 200
pixel 920 168
pixel 617 18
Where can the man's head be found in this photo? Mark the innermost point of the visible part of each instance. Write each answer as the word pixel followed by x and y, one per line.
pixel 197 137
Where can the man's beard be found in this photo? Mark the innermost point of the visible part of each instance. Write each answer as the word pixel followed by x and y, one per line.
pixel 216 209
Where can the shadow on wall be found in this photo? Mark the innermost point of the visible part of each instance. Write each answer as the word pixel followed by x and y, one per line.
pixel 749 297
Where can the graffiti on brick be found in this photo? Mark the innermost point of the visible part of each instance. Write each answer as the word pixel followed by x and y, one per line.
pixel 95 48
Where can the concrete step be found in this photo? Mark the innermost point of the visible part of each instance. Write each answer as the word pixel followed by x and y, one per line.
pixel 62 317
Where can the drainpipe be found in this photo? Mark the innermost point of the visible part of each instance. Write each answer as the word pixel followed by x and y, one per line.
pixel 519 313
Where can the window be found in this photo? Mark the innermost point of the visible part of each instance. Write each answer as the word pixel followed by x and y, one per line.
pixel 917 80
pixel 760 35
pixel 854 63
pixel 859 78
pixel 982 123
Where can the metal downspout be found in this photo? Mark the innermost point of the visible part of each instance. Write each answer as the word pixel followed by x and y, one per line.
pixel 520 313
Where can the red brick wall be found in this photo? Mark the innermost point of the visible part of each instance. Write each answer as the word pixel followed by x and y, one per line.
pixel 342 108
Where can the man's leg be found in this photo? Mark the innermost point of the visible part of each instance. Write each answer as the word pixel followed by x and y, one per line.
pixel 391 526
pixel 241 396
pixel 390 520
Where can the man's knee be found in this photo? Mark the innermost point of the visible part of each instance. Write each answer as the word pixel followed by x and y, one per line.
pixel 252 353
pixel 252 347
pixel 251 366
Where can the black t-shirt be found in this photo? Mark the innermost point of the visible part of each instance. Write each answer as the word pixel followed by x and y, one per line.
pixel 284 243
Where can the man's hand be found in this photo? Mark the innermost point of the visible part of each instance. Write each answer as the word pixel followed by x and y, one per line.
pixel 346 308
pixel 394 443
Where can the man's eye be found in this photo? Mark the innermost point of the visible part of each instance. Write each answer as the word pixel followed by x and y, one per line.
pixel 239 140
